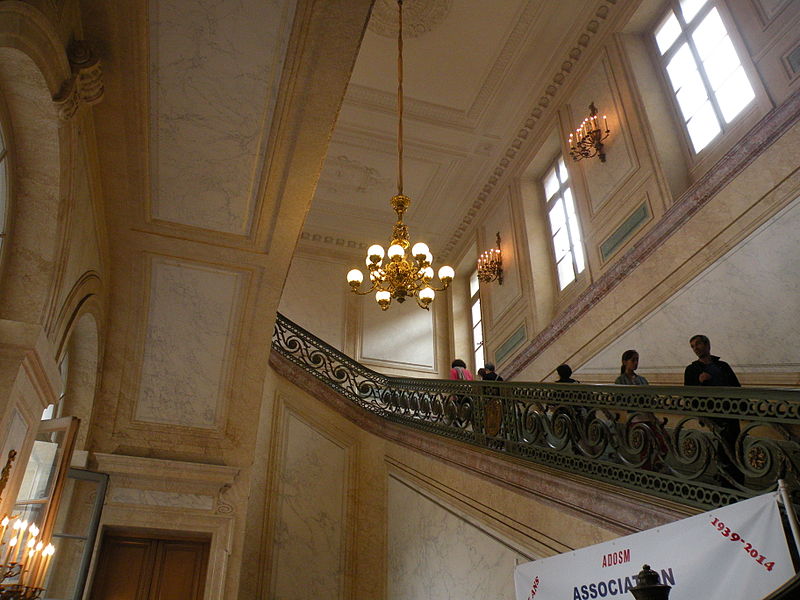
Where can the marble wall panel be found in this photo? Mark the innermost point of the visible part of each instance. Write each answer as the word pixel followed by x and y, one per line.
pixel 192 316
pixel 403 336
pixel 436 553
pixel 314 296
pixel 215 69
pixel 310 533
pixel 602 178
pixel 746 303
pixel 507 296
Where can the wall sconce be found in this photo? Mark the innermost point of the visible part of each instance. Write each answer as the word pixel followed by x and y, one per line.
pixel 587 141
pixel 490 264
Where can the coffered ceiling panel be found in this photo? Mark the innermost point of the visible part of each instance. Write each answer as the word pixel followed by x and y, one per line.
pixel 214 74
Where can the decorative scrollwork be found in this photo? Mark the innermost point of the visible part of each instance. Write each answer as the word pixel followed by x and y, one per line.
pixel 664 441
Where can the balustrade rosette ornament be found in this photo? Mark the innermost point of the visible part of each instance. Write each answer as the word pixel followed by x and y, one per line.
pixel 665 441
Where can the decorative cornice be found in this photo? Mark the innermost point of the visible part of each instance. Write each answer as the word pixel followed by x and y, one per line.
pixel 534 117
pixel 604 505
pixel 752 144
pixel 85 85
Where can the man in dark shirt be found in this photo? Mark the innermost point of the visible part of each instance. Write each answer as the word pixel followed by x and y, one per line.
pixel 708 369
pixel 489 373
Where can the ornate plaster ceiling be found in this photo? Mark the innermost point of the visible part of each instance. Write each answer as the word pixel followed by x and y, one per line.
pixel 473 70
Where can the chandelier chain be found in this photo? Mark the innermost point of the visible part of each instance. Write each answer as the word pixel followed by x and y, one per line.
pixel 400 99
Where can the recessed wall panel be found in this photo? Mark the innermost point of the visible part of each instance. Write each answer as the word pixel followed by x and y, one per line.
pixel 190 325
pixel 310 542
pixel 402 336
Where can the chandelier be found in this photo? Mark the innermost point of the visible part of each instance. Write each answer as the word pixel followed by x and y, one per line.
pixel 392 273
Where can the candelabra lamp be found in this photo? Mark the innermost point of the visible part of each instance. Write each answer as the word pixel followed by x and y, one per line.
pixel 490 264
pixel 25 558
pixel 587 141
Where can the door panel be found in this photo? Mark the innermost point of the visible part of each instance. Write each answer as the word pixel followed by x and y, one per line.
pixel 135 568
pixel 124 569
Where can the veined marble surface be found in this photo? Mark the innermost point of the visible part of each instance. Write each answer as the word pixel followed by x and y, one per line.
pixel 124 495
pixel 309 542
pixel 215 70
pixel 190 324
pixel 746 303
pixel 435 553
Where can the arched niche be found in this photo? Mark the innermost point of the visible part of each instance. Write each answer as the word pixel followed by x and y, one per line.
pixel 82 354
pixel 33 66
pixel 79 329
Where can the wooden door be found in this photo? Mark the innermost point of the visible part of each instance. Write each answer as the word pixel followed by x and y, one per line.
pixel 141 568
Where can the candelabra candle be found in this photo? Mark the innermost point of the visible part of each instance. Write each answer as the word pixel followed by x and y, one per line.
pixel 9 548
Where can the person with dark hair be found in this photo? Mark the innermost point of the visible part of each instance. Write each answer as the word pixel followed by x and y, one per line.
pixel 565 374
pixel 708 369
pixel 459 370
pixel 627 372
pixel 489 373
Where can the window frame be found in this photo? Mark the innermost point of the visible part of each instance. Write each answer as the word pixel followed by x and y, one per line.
pixel 730 133
pixel 549 203
pixel 475 298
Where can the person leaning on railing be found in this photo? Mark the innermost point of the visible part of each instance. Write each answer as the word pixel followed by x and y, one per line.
pixel 628 376
pixel 709 370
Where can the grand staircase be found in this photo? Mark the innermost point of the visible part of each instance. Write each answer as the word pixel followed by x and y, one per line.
pixel 700 447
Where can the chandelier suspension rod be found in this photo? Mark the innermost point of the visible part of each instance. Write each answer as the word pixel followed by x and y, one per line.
pixel 400 99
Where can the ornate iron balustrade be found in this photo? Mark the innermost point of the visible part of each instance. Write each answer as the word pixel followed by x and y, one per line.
pixel 704 447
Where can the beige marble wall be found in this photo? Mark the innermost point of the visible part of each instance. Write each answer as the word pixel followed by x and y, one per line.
pixel 435 552
pixel 350 514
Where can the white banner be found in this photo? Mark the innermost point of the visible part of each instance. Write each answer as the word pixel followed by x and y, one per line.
pixel 738 551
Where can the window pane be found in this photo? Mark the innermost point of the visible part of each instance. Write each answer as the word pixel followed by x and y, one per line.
pixel 562 170
pixel 735 94
pixel 474 286
pixel 550 184
pixel 479 358
pixel 477 336
pixel 720 63
pixel 692 95
pixel 566 275
pixel 703 127
pixel 690 8
pixel 557 216
pixel 709 33
pixel 668 33
pixel 561 243
pixel 476 313
pixel 40 470
pixel 682 68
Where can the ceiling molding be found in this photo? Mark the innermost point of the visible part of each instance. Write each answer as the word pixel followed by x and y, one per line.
pixel 543 108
